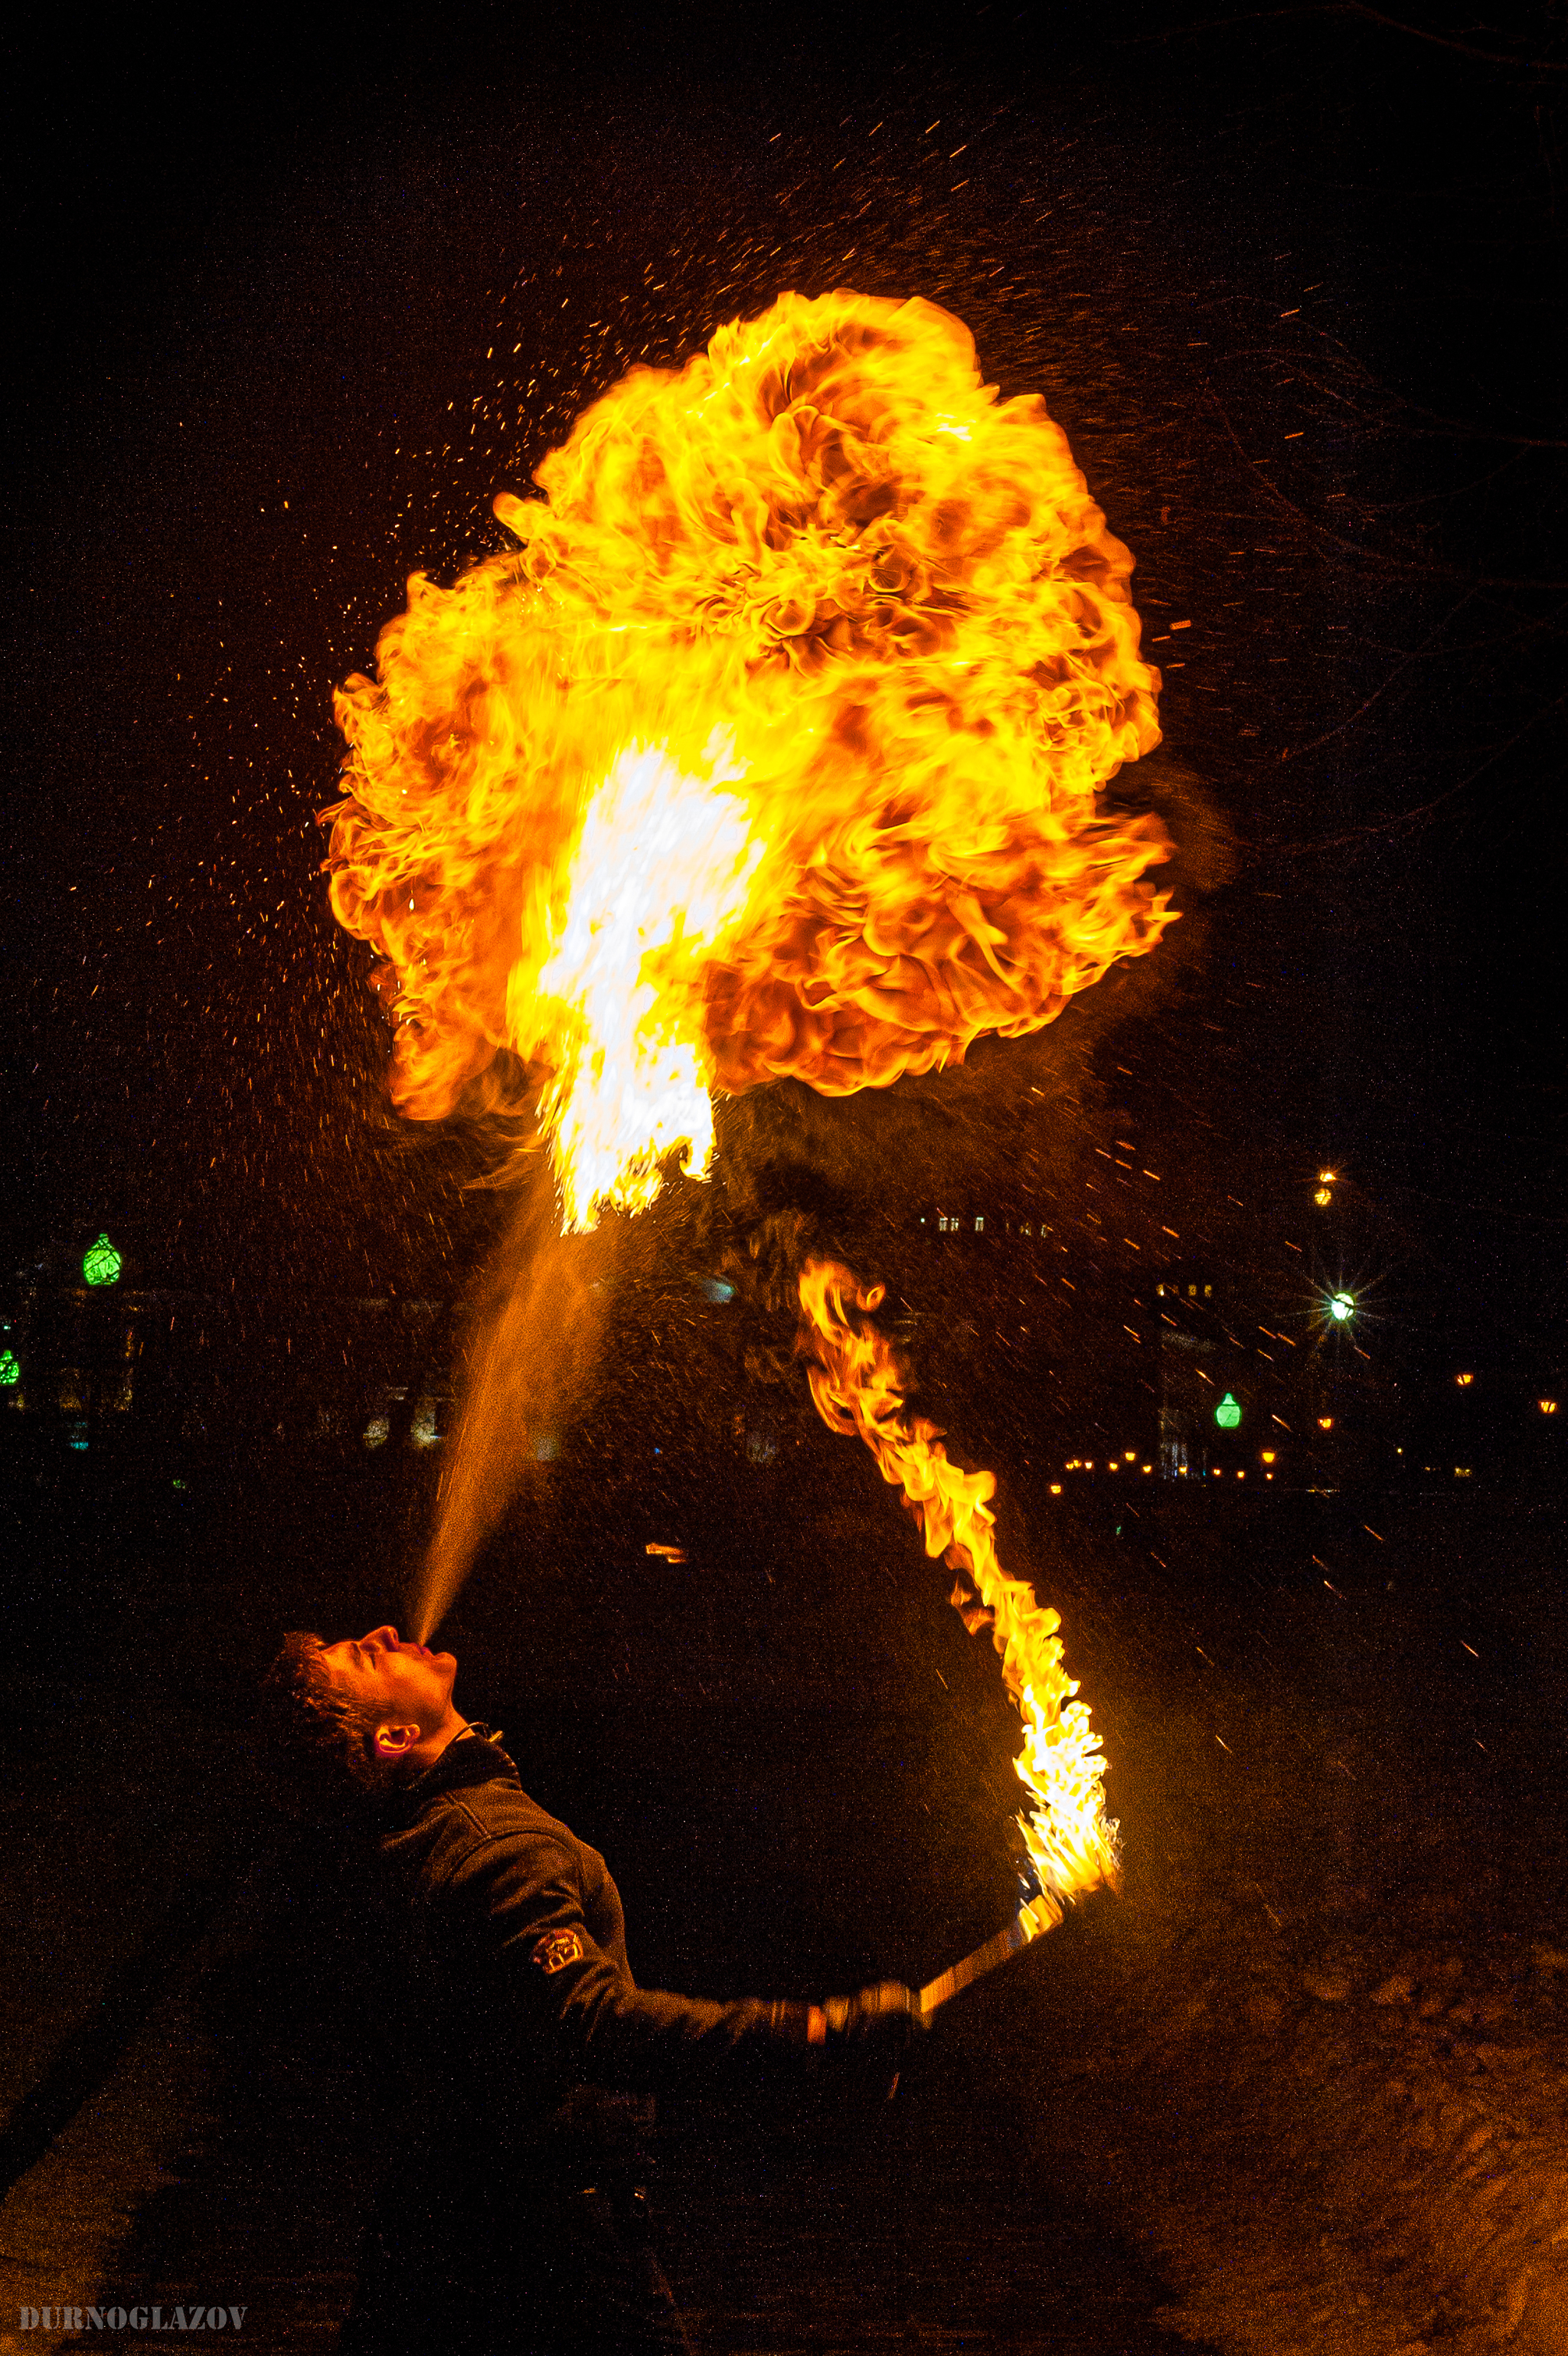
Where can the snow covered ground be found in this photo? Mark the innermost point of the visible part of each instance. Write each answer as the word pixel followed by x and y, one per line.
pixel 1321 2042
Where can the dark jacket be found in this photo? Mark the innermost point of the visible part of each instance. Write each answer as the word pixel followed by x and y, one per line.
pixel 506 1981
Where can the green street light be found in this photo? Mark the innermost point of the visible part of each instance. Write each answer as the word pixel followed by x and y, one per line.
pixel 1228 1414
pixel 100 1263
pixel 1341 1307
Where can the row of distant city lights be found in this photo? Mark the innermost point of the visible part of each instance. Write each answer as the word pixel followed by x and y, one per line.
pixel 1266 1456
pixel 1125 1463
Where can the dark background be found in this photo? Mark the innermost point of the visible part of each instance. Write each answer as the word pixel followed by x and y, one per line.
pixel 289 303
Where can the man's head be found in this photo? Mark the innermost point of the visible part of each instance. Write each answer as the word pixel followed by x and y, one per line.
pixel 350 1719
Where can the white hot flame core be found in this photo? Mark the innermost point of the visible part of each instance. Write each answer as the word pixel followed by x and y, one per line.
pixel 658 881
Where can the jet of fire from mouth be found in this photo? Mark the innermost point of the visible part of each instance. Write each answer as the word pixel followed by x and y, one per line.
pixel 774 749
pixel 856 1383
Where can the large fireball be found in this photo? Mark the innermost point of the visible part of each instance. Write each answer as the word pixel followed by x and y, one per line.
pixel 774 749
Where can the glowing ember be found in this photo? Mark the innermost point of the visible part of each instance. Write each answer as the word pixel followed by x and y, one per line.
pixel 856 1384
pixel 774 749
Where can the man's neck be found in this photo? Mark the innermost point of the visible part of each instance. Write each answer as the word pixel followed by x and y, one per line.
pixel 440 1739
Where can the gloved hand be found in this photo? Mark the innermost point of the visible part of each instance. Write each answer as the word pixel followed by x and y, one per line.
pixel 882 2022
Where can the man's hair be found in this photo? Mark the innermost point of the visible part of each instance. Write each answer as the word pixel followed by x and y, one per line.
pixel 317 1741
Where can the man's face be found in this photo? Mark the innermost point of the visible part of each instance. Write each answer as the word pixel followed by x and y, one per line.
pixel 407 1684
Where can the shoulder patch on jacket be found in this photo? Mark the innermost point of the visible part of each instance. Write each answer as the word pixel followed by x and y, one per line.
pixel 554 1954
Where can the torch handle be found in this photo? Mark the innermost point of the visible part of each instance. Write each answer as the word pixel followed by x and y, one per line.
pixel 1027 1925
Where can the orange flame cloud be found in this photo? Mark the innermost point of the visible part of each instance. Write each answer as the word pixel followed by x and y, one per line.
pixel 773 749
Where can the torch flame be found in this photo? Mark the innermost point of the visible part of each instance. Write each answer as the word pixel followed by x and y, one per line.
pixel 774 749
pixel 856 1384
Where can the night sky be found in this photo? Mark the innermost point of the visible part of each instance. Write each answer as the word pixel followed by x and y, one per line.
pixel 291 305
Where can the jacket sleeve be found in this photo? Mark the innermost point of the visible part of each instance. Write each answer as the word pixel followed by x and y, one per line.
pixel 513 1906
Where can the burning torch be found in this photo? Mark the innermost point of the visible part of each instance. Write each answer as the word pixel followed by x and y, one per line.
pixel 857 1387
pixel 1036 1916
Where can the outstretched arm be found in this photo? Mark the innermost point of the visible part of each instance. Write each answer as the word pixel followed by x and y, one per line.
pixel 517 1900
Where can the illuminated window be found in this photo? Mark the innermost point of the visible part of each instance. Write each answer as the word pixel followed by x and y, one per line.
pixel 1056 1488
pixel 979 1227
pixel 1268 1455
pixel 1323 1195
pixel 1463 1381
pixel 1324 1423
pixel 1547 1407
